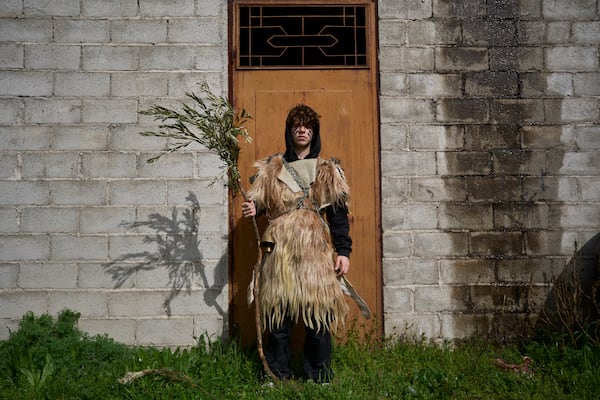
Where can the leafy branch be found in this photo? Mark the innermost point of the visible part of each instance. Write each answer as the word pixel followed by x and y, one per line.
pixel 211 122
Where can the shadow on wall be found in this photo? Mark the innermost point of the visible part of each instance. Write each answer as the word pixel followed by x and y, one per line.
pixel 177 253
pixel 505 182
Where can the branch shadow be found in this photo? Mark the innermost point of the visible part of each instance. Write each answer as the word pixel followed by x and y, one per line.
pixel 175 238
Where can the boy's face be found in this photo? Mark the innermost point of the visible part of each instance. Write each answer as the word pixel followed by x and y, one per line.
pixel 302 135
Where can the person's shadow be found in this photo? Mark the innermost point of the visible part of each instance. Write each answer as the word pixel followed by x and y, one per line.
pixel 175 238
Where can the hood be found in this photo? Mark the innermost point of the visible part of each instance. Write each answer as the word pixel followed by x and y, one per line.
pixel 302 114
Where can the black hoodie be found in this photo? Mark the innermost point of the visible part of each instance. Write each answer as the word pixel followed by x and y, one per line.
pixel 337 216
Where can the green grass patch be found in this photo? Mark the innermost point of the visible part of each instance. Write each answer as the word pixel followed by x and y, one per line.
pixel 51 359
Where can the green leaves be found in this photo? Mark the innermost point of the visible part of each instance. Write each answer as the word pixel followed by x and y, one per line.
pixel 209 120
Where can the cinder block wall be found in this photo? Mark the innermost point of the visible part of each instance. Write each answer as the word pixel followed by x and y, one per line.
pixel 490 162
pixel 85 223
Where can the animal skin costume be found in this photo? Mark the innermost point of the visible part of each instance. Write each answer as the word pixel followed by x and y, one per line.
pixel 298 277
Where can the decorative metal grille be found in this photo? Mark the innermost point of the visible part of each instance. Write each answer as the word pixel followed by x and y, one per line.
pixel 302 36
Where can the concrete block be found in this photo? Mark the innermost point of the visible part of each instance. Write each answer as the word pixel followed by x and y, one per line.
pixel 26 83
pixel 207 166
pixel 435 85
pixel 458 8
pixel 212 327
pixel 404 59
pixel 127 137
pixel 137 303
pixel 113 275
pixel 139 31
pixel 134 192
pixel 165 332
pixel 110 58
pixel 516 58
pixel 489 32
pixel 9 220
pixel 439 32
pixel 549 137
pixel 442 298
pixel 103 8
pixel 81 31
pixel 519 162
pixel 494 189
pixel 462 110
pixel 140 247
pixel 572 163
pixel 181 83
pixel 162 8
pixel 544 188
pixel 212 247
pixel 168 57
pixel 409 217
pixel 499 299
pixel 48 276
pixel 510 111
pixel 412 271
pixel 536 84
pixel 11 8
pixel 393 136
pixel 174 165
pixel 588 137
pixel 179 191
pixel 529 270
pixel 586 32
pixel 567 216
pixel 587 84
pixel 78 193
pixel 11 111
pixel 52 56
pixel 395 190
pixel 461 59
pixel 16 304
pixel 21 248
pixel 465 216
pixel 197 30
pixel 397 245
pixel 551 243
pixel 464 272
pixel 79 137
pixel 33 30
pixel 569 9
pixel 49 220
pixel 52 111
pixel 111 111
pixel 488 137
pixel 389 9
pixel 106 219
pixel 9 164
pixel 395 109
pixel 464 163
pixel 120 330
pixel 408 163
pixel 496 244
pixel 88 303
pixel 21 137
pixel 571 58
pixel 55 8
pixel 393 84
pixel 412 326
pixel 572 110
pixel 9 274
pixel 392 32
pixel 438 189
pixel 22 193
pixel 464 326
pixel 139 84
pixel 211 220
pixel 521 216
pixel 108 165
pixel 558 32
pixel 438 244
pixel 206 8
pixel 203 301
pixel 210 58
pixel 50 165
pixel 72 247
pixel 11 56
pixel 79 84
pixel 490 84
pixel 397 300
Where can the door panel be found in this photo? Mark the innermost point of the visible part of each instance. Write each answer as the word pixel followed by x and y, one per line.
pixel 346 101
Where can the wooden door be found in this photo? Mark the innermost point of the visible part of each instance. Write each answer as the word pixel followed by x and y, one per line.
pixel 345 98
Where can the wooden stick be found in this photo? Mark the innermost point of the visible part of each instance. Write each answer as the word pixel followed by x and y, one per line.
pixel 257 321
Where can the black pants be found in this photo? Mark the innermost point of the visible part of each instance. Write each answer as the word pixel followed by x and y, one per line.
pixel 317 353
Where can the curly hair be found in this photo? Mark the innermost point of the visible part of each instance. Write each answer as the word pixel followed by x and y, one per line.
pixel 302 115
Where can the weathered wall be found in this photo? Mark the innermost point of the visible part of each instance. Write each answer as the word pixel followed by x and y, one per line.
pixel 490 161
pixel 85 223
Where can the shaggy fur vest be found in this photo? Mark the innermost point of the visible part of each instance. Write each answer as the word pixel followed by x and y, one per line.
pixel 298 278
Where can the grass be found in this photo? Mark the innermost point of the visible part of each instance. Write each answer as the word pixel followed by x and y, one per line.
pixel 52 359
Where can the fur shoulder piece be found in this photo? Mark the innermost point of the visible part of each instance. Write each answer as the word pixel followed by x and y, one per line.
pixel 331 183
